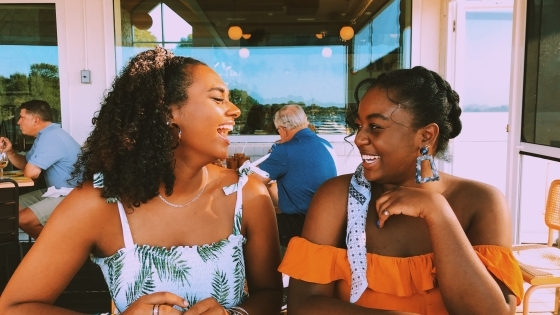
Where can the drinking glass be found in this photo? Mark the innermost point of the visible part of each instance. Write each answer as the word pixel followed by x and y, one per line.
pixel 3 163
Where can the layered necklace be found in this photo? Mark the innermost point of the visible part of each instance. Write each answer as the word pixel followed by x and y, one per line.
pixel 195 197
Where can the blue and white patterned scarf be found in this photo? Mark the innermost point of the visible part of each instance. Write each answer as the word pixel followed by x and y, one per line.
pixel 359 196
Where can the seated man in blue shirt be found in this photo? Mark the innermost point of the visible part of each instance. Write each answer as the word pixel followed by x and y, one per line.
pixel 54 151
pixel 299 163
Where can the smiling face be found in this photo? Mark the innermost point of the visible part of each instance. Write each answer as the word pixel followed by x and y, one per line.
pixel 387 143
pixel 207 116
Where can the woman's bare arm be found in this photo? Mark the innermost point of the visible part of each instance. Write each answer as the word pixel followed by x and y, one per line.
pixel 64 245
pixel 473 290
pixel 262 251
pixel 325 224
pixel 466 285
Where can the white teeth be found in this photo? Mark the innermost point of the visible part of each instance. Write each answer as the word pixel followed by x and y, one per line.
pixel 370 158
pixel 228 127
pixel 223 130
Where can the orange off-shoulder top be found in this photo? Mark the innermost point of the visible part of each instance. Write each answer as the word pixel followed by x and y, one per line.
pixel 400 284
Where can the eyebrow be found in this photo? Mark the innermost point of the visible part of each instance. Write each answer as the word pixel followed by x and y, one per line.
pixel 376 115
pixel 217 88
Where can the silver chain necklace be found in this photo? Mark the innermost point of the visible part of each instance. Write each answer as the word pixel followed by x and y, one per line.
pixel 194 199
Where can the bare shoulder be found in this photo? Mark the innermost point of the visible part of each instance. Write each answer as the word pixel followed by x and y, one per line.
pixel 225 177
pixel 486 208
pixel 84 220
pixel 84 202
pixel 255 193
pixel 475 194
pixel 326 218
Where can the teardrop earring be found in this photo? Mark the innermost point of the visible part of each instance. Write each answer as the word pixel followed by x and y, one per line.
pixel 425 156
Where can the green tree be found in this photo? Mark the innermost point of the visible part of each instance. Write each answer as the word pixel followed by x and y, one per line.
pixel 144 38
pixel 17 83
pixel 44 84
pixel 186 42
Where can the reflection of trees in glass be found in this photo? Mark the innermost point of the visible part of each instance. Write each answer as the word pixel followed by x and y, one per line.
pixel 144 38
pixel 255 116
pixel 42 83
pixel 186 42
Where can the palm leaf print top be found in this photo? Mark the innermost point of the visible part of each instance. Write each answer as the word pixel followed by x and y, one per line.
pixel 192 272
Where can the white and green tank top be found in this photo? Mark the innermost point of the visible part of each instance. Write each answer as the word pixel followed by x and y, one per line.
pixel 192 272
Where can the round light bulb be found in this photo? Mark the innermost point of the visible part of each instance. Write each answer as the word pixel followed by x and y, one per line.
pixel 244 53
pixel 246 36
pixel 319 35
pixel 326 52
pixel 141 20
pixel 235 32
pixel 346 32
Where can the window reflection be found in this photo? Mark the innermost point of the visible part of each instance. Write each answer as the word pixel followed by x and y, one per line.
pixel 541 105
pixel 271 67
pixel 28 62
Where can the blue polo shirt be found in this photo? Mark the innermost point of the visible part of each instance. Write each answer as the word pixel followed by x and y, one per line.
pixel 299 167
pixel 55 152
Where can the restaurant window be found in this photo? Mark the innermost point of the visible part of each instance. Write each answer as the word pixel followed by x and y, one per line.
pixel 541 97
pixel 28 64
pixel 290 51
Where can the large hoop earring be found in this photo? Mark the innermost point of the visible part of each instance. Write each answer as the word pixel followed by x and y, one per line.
pixel 425 156
pixel 175 134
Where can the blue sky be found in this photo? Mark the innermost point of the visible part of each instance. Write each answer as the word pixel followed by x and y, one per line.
pixel 18 58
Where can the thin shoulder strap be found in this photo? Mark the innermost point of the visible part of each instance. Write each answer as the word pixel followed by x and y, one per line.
pixel 127 235
pixel 243 172
pixel 238 214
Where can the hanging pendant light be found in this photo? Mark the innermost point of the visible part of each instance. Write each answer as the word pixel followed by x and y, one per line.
pixel 346 32
pixel 234 32
pixel 141 20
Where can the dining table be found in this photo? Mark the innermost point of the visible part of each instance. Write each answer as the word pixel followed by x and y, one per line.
pixel 17 175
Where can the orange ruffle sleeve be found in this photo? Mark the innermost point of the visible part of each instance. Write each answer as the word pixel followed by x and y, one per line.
pixel 391 280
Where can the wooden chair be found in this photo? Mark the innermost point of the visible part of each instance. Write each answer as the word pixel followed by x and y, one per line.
pixel 540 264
pixel 9 224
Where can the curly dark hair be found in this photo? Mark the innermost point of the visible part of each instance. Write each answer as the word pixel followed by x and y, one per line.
pixel 424 94
pixel 132 142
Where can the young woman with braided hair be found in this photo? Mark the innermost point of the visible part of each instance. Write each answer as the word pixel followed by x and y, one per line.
pixel 172 233
pixel 397 237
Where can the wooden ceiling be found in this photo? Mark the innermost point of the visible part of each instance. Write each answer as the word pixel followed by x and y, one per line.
pixel 271 22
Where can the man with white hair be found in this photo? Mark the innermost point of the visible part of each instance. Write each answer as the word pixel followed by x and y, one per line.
pixel 300 162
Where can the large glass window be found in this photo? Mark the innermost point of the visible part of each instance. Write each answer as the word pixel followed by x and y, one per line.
pixel 289 51
pixel 28 63
pixel 541 97
pixel 482 81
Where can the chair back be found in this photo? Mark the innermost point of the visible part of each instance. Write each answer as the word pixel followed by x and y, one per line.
pixel 9 213
pixel 552 211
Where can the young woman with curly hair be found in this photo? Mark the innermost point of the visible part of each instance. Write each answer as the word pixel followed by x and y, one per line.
pixel 397 237
pixel 172 233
